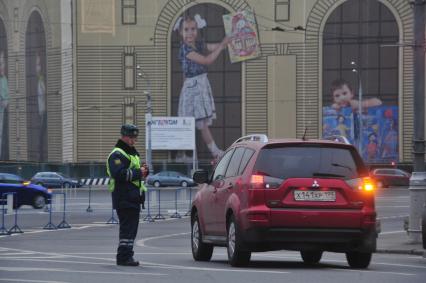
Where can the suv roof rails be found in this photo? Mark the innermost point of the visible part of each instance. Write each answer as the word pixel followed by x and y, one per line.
pixel 255 137
pixel 337 138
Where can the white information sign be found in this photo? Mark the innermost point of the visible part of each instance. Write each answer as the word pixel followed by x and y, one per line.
pixel 171 133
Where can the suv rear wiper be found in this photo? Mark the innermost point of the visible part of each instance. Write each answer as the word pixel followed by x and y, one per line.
pixel 342 166
pixel 319 174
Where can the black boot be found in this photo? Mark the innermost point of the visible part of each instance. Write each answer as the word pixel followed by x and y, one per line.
pixel 129 262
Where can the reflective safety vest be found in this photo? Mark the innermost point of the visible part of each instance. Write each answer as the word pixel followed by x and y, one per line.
pixel 135 163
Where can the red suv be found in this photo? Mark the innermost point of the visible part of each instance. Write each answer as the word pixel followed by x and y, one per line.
pixel 306 195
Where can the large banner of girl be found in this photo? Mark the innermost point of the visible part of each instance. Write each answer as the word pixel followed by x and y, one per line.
pixel 206 84
pixel 378 136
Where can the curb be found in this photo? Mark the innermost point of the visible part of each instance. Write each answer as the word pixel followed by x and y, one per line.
pixel 406 252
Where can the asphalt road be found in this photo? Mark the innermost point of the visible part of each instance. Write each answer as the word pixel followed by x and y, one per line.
pixel 86 252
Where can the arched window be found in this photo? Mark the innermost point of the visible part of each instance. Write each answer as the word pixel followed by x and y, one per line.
pixel 36 88
pixel 4 95
pixel 359 63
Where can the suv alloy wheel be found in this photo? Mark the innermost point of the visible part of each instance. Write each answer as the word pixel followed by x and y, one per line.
pixel 200 250
pixel 236 255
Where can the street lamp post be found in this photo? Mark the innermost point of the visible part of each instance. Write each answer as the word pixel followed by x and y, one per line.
pixel 358 72
pixel 148 129
pixel 417 181
pixel 148 117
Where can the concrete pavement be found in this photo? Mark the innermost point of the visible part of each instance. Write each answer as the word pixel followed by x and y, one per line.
pixel 398 242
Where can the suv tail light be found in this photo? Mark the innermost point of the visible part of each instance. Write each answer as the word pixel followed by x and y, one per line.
pixel 363 184
pixel 258 181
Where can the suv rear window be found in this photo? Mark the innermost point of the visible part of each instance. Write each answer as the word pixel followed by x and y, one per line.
pixel 308 161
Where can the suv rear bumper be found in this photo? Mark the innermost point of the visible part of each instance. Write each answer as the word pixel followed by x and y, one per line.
pixel 335 240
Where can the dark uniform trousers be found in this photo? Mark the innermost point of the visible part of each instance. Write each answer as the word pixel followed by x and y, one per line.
pixel 129 221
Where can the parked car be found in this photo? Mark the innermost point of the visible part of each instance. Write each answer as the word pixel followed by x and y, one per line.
pixel 55 180
pixel 386 177
pixel 26 193
pixel 306 195
pixel 169 178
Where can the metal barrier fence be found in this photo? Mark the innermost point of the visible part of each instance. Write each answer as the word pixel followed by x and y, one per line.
pixel 160 204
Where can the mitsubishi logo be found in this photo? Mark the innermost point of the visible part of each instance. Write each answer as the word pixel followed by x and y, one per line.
pixel 315 184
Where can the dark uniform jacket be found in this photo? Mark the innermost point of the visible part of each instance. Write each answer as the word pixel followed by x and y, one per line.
pixel 125 194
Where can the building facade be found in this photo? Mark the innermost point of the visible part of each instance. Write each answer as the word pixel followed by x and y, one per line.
pixel 77 69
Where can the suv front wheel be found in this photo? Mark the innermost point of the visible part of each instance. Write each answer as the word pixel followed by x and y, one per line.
pixel 200 250
pixel 236 255
pixel 358 259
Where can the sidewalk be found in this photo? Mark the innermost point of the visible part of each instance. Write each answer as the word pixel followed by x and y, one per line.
pixel 398 243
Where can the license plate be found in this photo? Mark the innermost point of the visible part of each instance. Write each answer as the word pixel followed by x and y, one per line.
pixel 314 195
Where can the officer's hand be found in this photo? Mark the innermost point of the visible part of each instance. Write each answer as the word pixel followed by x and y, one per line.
pixel 142 200
pixel 144 170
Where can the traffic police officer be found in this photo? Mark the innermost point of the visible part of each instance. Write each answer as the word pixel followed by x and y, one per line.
pixel 128 191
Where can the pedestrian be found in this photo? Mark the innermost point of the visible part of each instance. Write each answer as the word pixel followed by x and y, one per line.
pixel 196 97
pixel 128 191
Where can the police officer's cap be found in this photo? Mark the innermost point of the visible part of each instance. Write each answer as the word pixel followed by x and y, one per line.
pixel 129 130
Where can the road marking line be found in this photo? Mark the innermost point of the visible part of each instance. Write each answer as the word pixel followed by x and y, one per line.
pixel 30 281
pixel 401 265
pixel 392 217
pixel 157 265
pixel 31 269
pixel 47 259
pixel 392 232
pixel 373 271
pixel 404 197
pixel 74 227
pixel 141 242
pixel 143 253
pixel 17 269
pixel 245 270
pixel 392 206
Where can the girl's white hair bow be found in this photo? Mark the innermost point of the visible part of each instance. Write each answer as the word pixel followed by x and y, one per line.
pixel 177 24
pixel 201 23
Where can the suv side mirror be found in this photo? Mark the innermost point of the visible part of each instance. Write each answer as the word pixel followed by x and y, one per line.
pixel 201 176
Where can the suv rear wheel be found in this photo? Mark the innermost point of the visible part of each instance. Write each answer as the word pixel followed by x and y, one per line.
pixel 236 255
pixel 358 259
pixel 311 257
pixel 200 250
